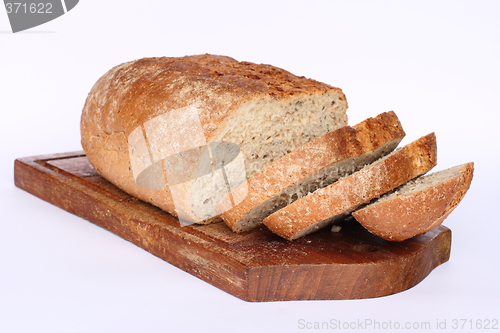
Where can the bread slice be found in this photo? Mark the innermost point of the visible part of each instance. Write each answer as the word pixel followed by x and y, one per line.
pixel 417 206
pixel 335 201
pixel 316 164
pixel 150 120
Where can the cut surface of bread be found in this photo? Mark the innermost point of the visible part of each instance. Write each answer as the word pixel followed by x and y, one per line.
pixel 335 201
pixel 417 206
pixel 314 165
pixel 150 118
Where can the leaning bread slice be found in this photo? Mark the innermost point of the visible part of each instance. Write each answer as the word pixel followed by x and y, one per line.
pixel 417 206
pixel 335 201
pixel 316 164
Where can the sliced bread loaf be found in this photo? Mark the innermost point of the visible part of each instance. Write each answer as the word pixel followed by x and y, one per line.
pixel 335 201
pixel 417 206
pixel 316 164
pixel 151 126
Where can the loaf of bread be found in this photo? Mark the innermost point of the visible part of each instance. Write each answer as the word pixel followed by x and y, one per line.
pixel 417 206
pixel 327 205
pixel 314 165
pixel 181 133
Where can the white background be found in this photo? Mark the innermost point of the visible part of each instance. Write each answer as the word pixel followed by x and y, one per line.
pixel 436 63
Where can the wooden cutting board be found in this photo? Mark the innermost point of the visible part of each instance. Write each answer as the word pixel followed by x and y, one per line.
pixel 254 266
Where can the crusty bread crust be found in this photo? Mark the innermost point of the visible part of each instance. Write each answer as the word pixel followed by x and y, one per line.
pixel 325 205
pixel 133 93
pixel 405 216
pixel 283 181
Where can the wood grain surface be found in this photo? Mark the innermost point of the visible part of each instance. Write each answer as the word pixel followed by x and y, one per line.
pixel 254 266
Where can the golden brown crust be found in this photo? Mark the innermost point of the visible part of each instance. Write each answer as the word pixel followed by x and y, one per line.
pixel 132 93
pixel 405 216
pixel 321 207
pixel 342 144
